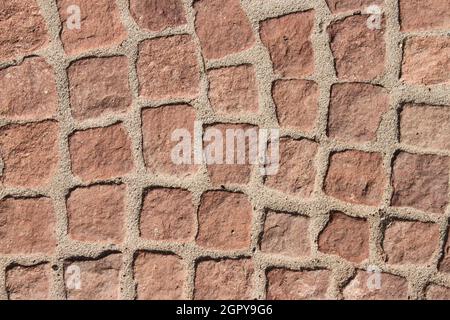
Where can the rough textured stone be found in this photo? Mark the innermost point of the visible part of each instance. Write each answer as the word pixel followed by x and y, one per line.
pixel 345 236
pixel 297 104
pixel 99 278
pixel 168 214
pixel 159 276
pixel 224 221
pixel 28 91
pixel 22 28
pixel 99 86
pixel 27 226
pixel 101 153
pixel 29 153
pixel 96 213
pixel 101 26
pixel 167 68
pixel 28 282
pixel 297 171
pixel 157 15
pixel 356 111
pixel 435 292
pixel 367 285
pixel 410 242
pixel 337 6
pixel 284 284
pixel 426 61
pixel 356 177
pixel 245 139
pixel 421 182
pixel 425 126
pixel 444 264
pixel 424 14
pixel 286 234
pixel 226 279
pixel 358 51
pixel 288 40
pixel 158 126
pixel 233 90
pixel 223 27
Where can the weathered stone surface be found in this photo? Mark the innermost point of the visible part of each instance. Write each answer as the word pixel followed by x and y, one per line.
pixel 157 15
pixel 444 264
pixel 421 182
pixel 28 91
pixel 99 86
pixel 297 104
pixel 288 40
pixel 223 27
pixel 284 284
pixel 27 226
pixel 410 242
pixel 28 282
pixel 426 60
pixel 158 126
pixel 101 153
pixel 286 234
pixel 96 213
pixel 435 292
pixel 167 68
pixel 425 126
pixel 337 6
pixel 159 276
pixel 236 170
pixel 226 279
pixel 22 28
pixel 224 221
pixel 29 153
pixel 297 171
pixel 168 214
pixel 356 177
pixel 424 14
pixel 345 236
pixel 100 26
pixel 359 52
pixel 233 90
pixel 99 278
pixel 367 285
pixel 356 111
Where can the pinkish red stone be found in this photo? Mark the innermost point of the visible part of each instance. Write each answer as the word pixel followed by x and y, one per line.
pixel 159 276
pixel 224 220
pixel 223 27
pixel 157 15
pixel 286 234
pixel 168 214
pixel 28 282
pixel 22 28
pixel 356 111
pixel 99 86
pixel 345 236
pixel 29 153
pixel 297 104
pixel 100 25
pixel 96 213
pixel 288 40
pixel 226 279
pixel 284 284
pixel 356 177
pixel 338 6
pixel 410 242
pixel 233 90
pixel 359 51
pixel 435 292
pixel 27 226
pixel 167 68
pixel 418 15
pixel 28 91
